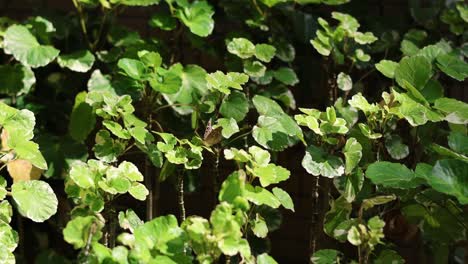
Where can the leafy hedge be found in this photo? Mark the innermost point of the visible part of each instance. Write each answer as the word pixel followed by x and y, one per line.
pixel 395 148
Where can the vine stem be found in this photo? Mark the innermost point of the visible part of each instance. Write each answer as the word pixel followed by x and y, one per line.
pixel 149 186
pixel 180 196
pixel 315 215
pixel 82 23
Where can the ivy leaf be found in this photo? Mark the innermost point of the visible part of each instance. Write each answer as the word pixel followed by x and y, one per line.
pixel 135 2
pixel 35 199
pixel 271 174
pixel 161 234
pixel 163 21
pixel 241 47
pixel 193 87
pixel 232 187
pixel 415 70
pixel 265 52
pixel 319 163
pixel 271 3
pixel 229 126
pixel 353 154
pixel 350 185
pixel 392 175
pixel 254 68
pixel 414 112
pixel 82 119
pixel 138 191
pixel 106 148
pixel 456 111
pixel 326 256
pixel 259 196
pixel 222 82
pixel 365 38
pixel 134 69
pixel 81 174
pixel 450 176
pixel 259 227
pixel 16 79
pixel 458 142
pixel 235 106
pixel 260 156
pixel 9 242
pixel 284 198
pixel 395 147
pixel 78 61
pixel 23 45
pixel 27 150
pixel 265 259
pixel 387 68
pixel 78 229
pixel 453 66
pixel 389 256
pixel 286 76
pixel 360 102
pixel 167 81
pixel 197 16
pixel 344 82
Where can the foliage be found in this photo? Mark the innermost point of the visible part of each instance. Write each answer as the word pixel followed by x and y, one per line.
pixel 95 120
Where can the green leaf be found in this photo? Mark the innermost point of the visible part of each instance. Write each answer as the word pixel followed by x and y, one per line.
pixel 284 198
pixel 365 38
pixel 82 175
pixel 453 66
pixel 132 68
pixel 35 199
pixel 82 119
pixel 241 47
pixel 78 61
pixel 395 147
pixel 318 163
pixel 163 21
pixel 271 174
pixel 271 3
pixel 347 22
pixel 322 48
pixel 254 68
pixel 286 76
pixel 260 156
pixel 450 176
pixel 414 112
pixel 167 81
pixel 78 229
pixel 106 148
pixel 23 45
pixel 265 52
pixel 161 234
pixel 229 126
pixel 138 191
pixel 265 259
pixel 392 175
pixel 27 150
pixel 415 70
pixel 344 82
pixel 16 79
pixel 259 196
pixel 222 82
pixel 232 187
pixel 259 227
pixel 135 2
pixel 353 154
pixel 387 68
pixel 197 16
pixel 389 256
pixel 358 101
pixel 194 86
pixel 350 185
pixel 458 142
pixel 235 106
pixel 378 200
pixel 456 111
pixel 326 256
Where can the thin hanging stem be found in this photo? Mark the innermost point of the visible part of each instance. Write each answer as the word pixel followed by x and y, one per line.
pixel 83 23
pixel 149 186
pixel 315 214
pixel 180 196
